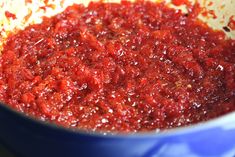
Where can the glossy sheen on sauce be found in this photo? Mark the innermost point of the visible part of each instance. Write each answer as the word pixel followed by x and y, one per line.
pixel 119 67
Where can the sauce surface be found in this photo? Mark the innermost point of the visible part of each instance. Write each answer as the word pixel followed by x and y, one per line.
pixel 125 67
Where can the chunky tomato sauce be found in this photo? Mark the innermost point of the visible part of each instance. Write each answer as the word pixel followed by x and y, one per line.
pixel 119 67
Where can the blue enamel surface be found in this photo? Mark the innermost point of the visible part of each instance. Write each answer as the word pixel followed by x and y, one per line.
pixel 30 138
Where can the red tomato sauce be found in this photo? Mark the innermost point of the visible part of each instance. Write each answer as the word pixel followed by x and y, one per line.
pixel 125 67
pixel 10 15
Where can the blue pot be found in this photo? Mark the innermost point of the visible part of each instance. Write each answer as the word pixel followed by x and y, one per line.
pixel 32 138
